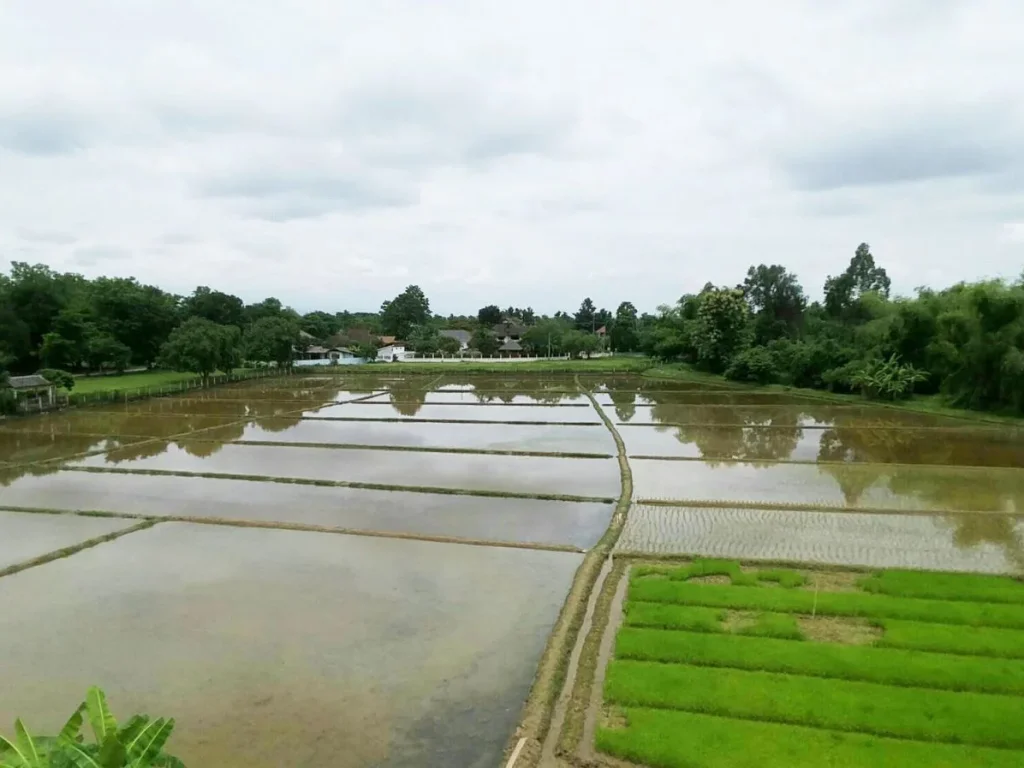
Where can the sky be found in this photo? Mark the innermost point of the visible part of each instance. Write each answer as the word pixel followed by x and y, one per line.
pixel 331 152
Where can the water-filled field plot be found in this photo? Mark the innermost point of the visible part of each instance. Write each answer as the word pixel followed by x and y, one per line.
pixel 366 566
pixel 718 665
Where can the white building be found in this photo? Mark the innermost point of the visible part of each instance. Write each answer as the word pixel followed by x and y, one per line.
pixel 393 352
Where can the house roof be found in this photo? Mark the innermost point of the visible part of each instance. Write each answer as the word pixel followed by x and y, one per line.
pixel 459 335
pixel 387 340
pixel 601 331
pixel 509 329
pixel 306 336
pixel 511 346
pixel 28 382
pixel 316 350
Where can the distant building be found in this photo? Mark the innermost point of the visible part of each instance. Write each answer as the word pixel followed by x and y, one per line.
pixel 33 392
pixel 459 335
pixel 511 349
pixel 507 332
pixel 318 355
pixel 394 352
pixel 602 331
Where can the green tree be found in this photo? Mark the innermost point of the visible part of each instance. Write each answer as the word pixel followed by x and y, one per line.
pixel 423 339
pixel 448 346
pixel 58 352
pixel 407 309
pixel 586 316
pixel 269 307
pixel 197 345
pixel 320 325
pixel 861 276
pixel 777 300
pixel 366 350
pixel 489 316
pixel 485 342
pixel 625 336
pixel 272 340
pixel 215 306
pixel 139 316
pixel 59 378
pixel 545 338
pixel 580 343
pixel 103 351
pixel 723 327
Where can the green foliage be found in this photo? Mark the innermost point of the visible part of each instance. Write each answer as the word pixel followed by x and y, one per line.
pixel 59 378
pixel 579 343
pixel 586 316
pixel 365 350
pixel 104 352
pixel 272 340
pixel 407 309
pixel 545 338
pixel 756 365
pixel 489 316
pixel 485 342
pixel 200 346
pixel 723 327
pixel 886 379
pixel 215 306
pixel 777 300
pixel 938 638
pixel 424 340
pixel 448 346
pixel 139 743
pixel 937 586
pixel 625 331
pixel 673 739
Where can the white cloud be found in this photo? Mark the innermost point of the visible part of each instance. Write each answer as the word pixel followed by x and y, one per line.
pixel 515 153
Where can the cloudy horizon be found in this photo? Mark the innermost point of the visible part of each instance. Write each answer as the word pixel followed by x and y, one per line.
pixel 330 154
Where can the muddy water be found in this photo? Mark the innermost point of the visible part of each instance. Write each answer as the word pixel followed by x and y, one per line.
pixel 471 397
pixel 88 422
pixel 781 415
pixel 19 447
pixel 525 474
pixel 25 536
pixel 873 486
pixel 527 437
pixel 983 447
pixel 701 397
pixel 509 413
pixel 506 520
pixel 276 648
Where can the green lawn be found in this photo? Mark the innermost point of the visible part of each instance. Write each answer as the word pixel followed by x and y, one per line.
pixel 88 384
pixel 902 668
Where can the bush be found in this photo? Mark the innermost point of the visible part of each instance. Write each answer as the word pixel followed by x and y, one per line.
pixel 755 365
pixel 59 378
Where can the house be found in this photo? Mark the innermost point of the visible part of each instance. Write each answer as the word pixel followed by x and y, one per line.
pixel 460 336
pixel 508 331
pixel 394 352
pixel 602 332
pixel 318 355
pixel 511 349
pixel 33 392
pixel 386 340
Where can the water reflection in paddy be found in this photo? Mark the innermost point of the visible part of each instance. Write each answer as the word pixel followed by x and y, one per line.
pixel 280 648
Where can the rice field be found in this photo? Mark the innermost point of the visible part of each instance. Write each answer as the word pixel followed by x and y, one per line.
pixel 403 563
pixel 888 668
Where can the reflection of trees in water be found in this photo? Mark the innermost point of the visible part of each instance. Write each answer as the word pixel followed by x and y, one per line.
pixel 407 397
pixel 624 403
pixel 1004 531
pixel 983 447
pixel 42 447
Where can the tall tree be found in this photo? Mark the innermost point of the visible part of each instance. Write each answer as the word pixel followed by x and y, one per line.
pixel 625 330
pixel 723 327
pixel 586 315
pixel 272 340
pixel 197 345
pixel 860 277
pixel 215 306
pixel 777 300
pixel 407 309
pixel 139 316
pixel 489 316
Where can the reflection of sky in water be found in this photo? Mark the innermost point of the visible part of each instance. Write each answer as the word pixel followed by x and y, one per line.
pixel 284 648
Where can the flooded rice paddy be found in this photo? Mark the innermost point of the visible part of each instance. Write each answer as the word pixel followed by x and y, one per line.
pixel 381 557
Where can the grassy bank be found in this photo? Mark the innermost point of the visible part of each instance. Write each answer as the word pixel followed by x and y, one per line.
pixel 90 384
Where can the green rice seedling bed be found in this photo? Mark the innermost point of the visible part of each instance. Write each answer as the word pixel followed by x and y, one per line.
pixel 977 641
pixel 889 666
pixel 943 716
pixel 828 603
pixel 703 567
pixel 941 586
pixel 673 739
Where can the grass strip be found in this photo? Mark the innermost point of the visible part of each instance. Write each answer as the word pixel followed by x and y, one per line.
pixel 344 484
pixel 778 625
pixel 981 719
pixel 939 638
pixel 672 739
pixel 717 567
pixel 946 586
pixel 828 603
pixel 888 666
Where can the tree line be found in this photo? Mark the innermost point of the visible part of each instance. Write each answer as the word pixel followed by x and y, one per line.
pixel 965 341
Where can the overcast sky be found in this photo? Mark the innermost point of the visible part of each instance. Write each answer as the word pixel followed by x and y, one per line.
pixel 519 152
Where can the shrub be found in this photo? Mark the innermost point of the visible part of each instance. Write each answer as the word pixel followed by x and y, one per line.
pixel 756 365
pixel 60 378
